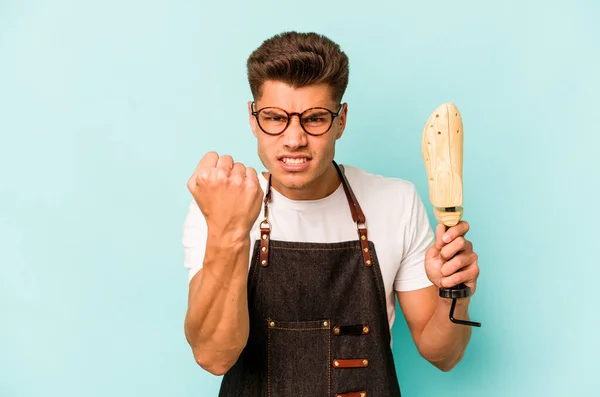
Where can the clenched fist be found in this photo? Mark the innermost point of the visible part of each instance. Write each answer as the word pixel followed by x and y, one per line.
pixel 451 260
pixel 228 194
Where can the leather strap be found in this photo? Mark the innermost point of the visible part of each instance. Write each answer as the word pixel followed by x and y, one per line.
pixel 362 393
pixel 265 229
pixel 355 329
pixel 350 363
pixel 357 216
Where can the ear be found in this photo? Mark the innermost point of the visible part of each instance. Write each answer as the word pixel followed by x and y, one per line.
pixel 252 120
pixel 341 120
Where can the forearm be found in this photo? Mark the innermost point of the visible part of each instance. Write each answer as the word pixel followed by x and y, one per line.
pixel 216 324
pixel 442 342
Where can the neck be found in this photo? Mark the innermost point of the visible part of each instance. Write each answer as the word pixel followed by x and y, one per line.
pixel 320 188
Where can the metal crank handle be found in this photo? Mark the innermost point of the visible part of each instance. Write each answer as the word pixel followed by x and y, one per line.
pixel 457 292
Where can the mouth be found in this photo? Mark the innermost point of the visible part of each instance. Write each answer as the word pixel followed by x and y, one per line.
pixel 294 163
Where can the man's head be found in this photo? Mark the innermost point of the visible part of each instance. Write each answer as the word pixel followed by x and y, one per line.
pixel 302 73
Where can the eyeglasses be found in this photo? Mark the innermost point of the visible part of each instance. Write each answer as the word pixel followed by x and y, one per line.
pixel 314 121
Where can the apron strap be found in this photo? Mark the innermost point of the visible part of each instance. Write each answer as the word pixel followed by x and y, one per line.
pixel 357 216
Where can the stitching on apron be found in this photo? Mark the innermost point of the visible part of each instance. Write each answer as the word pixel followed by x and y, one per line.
pixel 329 363
pixel 314 249
pixel 255 268
pixel 302 329
pixel 269 362
pixel 383 306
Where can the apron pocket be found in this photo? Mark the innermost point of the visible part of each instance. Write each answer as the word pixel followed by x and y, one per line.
pixel 299 358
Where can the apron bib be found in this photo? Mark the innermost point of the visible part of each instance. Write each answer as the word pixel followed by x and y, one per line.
pixel 318 319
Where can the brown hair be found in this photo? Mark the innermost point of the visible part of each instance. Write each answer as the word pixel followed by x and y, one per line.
pixel 299 59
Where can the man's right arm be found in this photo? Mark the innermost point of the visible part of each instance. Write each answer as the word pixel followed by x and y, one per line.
pixel 216 323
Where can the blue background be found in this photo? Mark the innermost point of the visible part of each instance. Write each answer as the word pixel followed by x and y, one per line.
pixel 107 106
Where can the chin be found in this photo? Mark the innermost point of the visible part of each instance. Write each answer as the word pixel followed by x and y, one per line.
pixel 293 181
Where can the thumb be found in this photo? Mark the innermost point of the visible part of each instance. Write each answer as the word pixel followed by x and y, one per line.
pixel 434 250
pixel 439 233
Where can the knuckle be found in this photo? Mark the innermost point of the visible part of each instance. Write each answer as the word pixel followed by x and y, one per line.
pixel 444 270
pixel 236 180
pixel 443 255
pixel 202 176
pixel 221 174
pixel 469 246
pixel 191 184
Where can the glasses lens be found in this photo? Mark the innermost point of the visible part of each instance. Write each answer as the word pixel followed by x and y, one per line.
pixel 316 121
pixel 272 120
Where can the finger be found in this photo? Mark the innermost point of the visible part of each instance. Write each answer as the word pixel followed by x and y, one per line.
pixel 460 244
pixel 225 162
pixel 209 160
pixel 206 163
pixel 239 169
pixel 453 232
pixel 467 274
pixel 251 174
pixel 455 264
pixel 203 169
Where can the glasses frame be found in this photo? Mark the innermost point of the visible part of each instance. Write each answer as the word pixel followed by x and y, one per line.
pixel 290 115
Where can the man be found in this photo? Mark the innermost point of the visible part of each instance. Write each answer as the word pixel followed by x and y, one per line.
pixel 294 272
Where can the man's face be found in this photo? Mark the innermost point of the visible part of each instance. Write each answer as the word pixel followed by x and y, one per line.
pixel 299 163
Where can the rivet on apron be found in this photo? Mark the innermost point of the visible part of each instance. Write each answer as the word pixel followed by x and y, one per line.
pixel 264 249
pixel 366 329
pixel 365 362
pixel 366 250
pixel 271 324
pixel 325 323
pixel 363 237
pixel 264 262
pixel 368 262
pixel 336 330
pixel 264 236
pixel 336 363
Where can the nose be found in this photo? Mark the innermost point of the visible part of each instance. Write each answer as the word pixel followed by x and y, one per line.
pixel 294 136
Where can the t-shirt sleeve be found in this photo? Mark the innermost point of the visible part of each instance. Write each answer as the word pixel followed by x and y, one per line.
pixel 411 274
pixel 194 237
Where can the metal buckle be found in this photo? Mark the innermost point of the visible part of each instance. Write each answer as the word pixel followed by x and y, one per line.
pixel 263 222
pixel 357 225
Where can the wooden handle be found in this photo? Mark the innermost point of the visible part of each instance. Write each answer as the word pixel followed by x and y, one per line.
pixel 442 148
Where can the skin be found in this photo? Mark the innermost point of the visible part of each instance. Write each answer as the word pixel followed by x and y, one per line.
pixel 229 196
pixel 320 179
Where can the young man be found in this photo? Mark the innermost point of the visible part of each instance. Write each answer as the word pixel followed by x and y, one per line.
pixel 294 272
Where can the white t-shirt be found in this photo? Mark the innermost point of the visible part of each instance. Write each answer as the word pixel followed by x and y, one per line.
pixel 397 224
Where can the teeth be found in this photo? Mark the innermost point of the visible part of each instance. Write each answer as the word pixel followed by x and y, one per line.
pixel 293 161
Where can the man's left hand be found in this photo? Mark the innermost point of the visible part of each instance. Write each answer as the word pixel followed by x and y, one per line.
pixel 451 260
